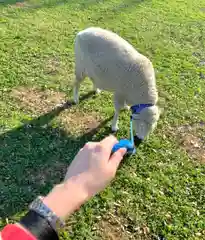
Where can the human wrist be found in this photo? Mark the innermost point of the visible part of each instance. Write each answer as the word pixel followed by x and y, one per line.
pixel 66 198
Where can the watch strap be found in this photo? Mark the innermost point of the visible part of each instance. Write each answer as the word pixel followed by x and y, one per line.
pixel 38 206
pixel 38 226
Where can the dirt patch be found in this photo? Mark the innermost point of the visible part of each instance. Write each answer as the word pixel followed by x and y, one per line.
pixel 57 170
pixel 192 127
pixel 37 101
pixel 52 66
pixel 112 228
pixel 78 121
pixel 111 231
pixel 191 138
pixel 194 146
pixel 20 5
pixel 115 227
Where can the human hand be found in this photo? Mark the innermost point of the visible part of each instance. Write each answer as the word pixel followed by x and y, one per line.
pixel 91 170
pixel 94 166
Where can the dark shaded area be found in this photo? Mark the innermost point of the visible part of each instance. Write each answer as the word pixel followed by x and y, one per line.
pixel 40 4
pixel 35 156
pixel 10 2
pixel 137 141
pixel 53 3
pixel 80 4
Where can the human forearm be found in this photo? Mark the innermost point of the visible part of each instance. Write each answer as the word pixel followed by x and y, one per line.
pixel 65 198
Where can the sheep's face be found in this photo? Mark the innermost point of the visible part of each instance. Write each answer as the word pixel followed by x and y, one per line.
pixel 145 121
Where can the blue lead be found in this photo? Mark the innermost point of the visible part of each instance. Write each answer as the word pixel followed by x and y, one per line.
pixel 126 143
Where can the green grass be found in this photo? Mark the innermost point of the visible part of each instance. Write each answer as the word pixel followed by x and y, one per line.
pixel 160 192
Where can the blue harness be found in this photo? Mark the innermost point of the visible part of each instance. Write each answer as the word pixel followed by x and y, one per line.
pixel 126 143
pixel 139 107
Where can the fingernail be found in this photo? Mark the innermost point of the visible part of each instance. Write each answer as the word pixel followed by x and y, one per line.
pixel 123 151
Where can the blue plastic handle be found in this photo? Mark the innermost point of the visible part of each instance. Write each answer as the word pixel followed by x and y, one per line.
pixel 124 143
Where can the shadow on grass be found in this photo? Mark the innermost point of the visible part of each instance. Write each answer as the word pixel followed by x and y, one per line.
pixel 34 5
pixel 80 5
pixel 34 157
pixel 52 3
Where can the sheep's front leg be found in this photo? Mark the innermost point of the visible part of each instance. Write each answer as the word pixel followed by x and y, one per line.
pixel 95 89
pixel 127 107
pixel 115 121
pixel 119 103
pixel 76 92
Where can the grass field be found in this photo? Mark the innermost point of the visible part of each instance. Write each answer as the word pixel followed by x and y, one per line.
pixel 160 192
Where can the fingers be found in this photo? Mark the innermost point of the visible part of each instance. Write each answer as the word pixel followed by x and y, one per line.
pixel 109 142
pixel 90 144
pixel 117 157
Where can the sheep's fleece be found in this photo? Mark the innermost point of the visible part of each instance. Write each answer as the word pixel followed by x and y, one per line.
pixel 114 65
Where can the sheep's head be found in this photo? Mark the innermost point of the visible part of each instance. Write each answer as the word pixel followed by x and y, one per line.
pixel 145 122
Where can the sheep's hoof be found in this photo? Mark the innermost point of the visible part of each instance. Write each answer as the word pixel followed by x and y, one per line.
pixel 97 91
pixel 60 105
pixel 76 101
pixel 115 128
pixel 126 107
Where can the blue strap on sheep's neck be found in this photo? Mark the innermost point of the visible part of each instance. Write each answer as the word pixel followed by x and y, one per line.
pixel 139 107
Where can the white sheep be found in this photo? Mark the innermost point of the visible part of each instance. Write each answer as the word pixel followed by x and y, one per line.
pixel 114 65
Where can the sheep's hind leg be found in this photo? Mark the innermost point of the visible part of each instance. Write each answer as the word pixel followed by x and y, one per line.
pixel 119 103
pixel 76 92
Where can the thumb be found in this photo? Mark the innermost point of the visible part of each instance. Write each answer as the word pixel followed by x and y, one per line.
pixel 117 157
